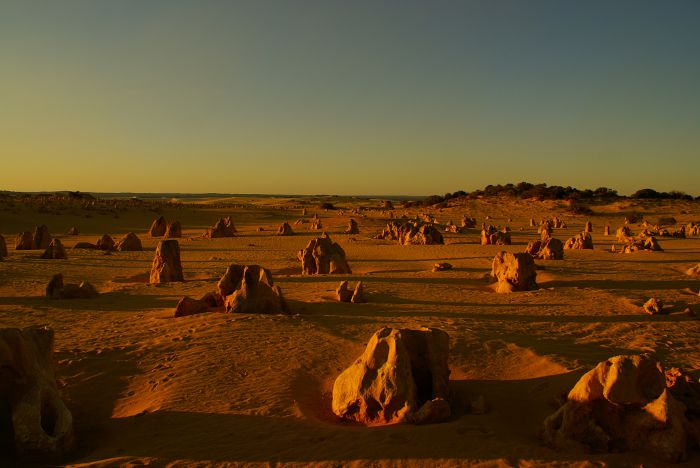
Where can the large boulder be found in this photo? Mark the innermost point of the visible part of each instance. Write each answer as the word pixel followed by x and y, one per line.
pixel 129 243
pixel 412 233
pixel 582 241
pixel 106 243
pixel 166 266
pixel 24 241
pixel 158 227
pixel 55 250
pixel 41 238
pixel 3 247
pixel 402 376
pixel 323 256
pixel 222 228
pixel 34 421
pixel 628 403
pixel 56 289
pixel 256 293
pixel 352 227
pixel 547 249
pixel 285 230
pixel 174 230
pixel 514 272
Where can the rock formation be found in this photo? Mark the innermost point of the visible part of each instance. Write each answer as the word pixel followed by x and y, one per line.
pixel 352 227
pixel 73 231
pixel 323 256
pixel 402 376
pixel 588 227
pixel 492 236
pixel 3 247
pixel 442 266
pixel 105 243
pixel 628 403
pixel 623 234
pixel 316 224
pixel 129 243
pixel 581 241
pixel 42 238
pixel 514 272
pixel 222 228
pixel 211 301
pixel 642 243
pixel 35 421
pixel 285 230
pixel 57 290
pixel 344 294
pixel 166 266
pixel 158 227
pixel 253 292
pixel 606 230
pixel 653 306
pixel 55 250
pixel 468 222
pixel 412 233
pixel 24 241
pixel 694 271
pixel 548 249
pixel 174 230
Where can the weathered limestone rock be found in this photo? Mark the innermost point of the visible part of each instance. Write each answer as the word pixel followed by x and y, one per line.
pixel 129 243
pixel 323 256
pixel 653 306
pixel 582 241
pixel 514 272
pixel 352 227
pixel 42 238
pixel 548 249
pixel 468 222
pixel 492 236
pixel 606 230
pixel 413 233
pixel 166 266
pixel 106 243
pixel 588 227
pixel 343 293
pixel 3 247
pixel 627 403
pixel 57 290
pixel 316 224
pixel 400 372
pixel 174 230
pixel 623 234
pixel 285 230
pixel 256 293
pixel 158 227
pixel 24 241
pixel 211 301
pixel 694 271
pixel 73 231
pixel 442 266
pixel 642 243
pixel 55 250
pixel 222 228
pixel 35 421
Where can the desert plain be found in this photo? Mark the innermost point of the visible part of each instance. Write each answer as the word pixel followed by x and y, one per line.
pixel 146 388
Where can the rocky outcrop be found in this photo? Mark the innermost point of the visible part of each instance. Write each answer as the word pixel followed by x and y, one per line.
pixel 211 301
pixel 24 241
pixel 642 243
pixel 442 266
pixel 166 266
pixel 106 243
pixel 548 249
pixel 344 294
pixel 174 230
pixel 222 228
pixel 588 227
pixel 403 376
pixel 41 238
pixel 628 403
pixel 582 241
pixel 35 421
pixel 694 271
pixel 492 236
pixel 158 227
pixel 654 306
pixel 55 250
pixel 285 230
pixel 56 289
pixel 316 224
pixel 253 292
pixel 468 222
pixel 412 233
pixel 514 272
pixel 352 227
pixel 623 234
pixel 323 256
pixel 129 243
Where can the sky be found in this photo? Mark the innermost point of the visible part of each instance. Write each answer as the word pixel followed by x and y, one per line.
pixel 348 97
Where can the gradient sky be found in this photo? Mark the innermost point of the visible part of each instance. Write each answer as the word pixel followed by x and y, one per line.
pixel 348 97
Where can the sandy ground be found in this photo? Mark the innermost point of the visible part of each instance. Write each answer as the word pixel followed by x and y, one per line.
pixel 146 388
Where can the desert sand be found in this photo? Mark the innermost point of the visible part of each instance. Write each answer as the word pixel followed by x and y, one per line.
pixel 253 389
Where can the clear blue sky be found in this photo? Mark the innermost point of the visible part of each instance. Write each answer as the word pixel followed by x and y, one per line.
pixel 352 97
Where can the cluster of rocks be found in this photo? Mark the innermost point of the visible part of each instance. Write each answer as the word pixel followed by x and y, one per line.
pixel 161 228
pixel 40 240
pixel 546 249
pixel 581 241
pixel 56 289
pixel 129 242
pixel 629 403
pixel 467 222
pixel 222 228
pixel 322 256
pixel 490 235
pixel 514 272
pixel 403 376
pixel 412 233
pixel 344 294
pixel 35 421
pixel 245 289
pixel 641 243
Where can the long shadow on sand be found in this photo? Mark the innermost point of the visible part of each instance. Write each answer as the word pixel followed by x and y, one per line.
pixel 108 302
pixel 622 284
